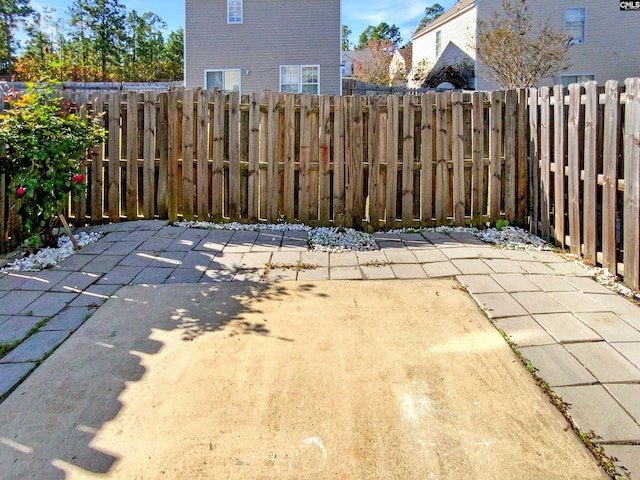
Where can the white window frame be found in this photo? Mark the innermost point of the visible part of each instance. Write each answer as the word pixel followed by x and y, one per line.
pixel 300 82
pixel 583 40
pixel 232 16
pixel 578 77
pixel 223 70
pixel 438 43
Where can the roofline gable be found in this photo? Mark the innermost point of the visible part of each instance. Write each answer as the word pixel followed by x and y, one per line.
pixel 462 6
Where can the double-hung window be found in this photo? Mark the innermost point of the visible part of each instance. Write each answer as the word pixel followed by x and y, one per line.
pixel 574 24
pixel 569 79
pixel 227 80
pixel 300 79
pixel 234 11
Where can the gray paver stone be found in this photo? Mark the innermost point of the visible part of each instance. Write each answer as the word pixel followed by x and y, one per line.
pixel 185 275
pixel 103 263
pixel 36 347
pixel 44 280
pixel 372 256
pixel 137 258
pixel 226 261
pixel 480 284
pixel 515 282
pixel 120 275
pixel 604 362
pixel 610 326
pixel 95 295
pixel 377 273
pixel 498 305
pixel 76 281
pixel 139 236
pixel 409 256
pixel 440 269
pixel 69 319
pixel 49 303
pixel 316 258
pixel 122 248
pixel 535 268
pixel 408 270
pixel 471 266
pixel 320 273
pixel 632 319
pixel 345 273
pixel 588 285
pixel 287 258
pixel 551 283
pixel 11 374
pixel 565 327
pixel 524 331
pixel 343 259
pixel 75 262
pixel 631 350
pixel 628 456
pixel 456 253
pixel 16 301
pixel 538 302
pixel 11 281
pixel 503 265
pixel 17 327
pixel 152 276
pixel 616 304
pixel 579 301
pixel 627 395
pixel 557 366
pixel 194 259
pixel 254 260
pixel 593 408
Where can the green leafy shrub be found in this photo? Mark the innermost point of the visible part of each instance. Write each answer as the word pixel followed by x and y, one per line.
pixel 46 145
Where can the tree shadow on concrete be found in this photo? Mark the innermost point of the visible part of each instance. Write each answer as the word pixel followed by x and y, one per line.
pixel 50 422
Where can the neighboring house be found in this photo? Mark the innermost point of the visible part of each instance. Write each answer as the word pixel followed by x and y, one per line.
pixel 253 45
pixel 602 47
pixel 400 66
pixel 353 57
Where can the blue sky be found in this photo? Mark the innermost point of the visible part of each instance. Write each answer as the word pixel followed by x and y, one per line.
pixel 357 14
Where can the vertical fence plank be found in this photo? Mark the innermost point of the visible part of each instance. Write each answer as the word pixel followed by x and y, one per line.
pixel 408 149
pixel 305 157
pixel 339 109
pixel 495 151
pixel 573 149
pixel 254 157
pixel 314 158
pixel 545 162
pixel 149 155
pixel 113 194
pixel 443 109
pixel 393 117
pixel 132 156
pixel 632 183
pixel 202 149
pixel 97 164
pixel 172 156
pixel 373 151
pixel 457 150
pixel 533 161
pixel 353 160
pixel 272 157
pixel 235 204
pixel 324 158
pixel 522 157
pixel 217 154
pixel 590 173
pixel 426 157
pixel 289 154
pixel 510 160
pixel 163 151
pixel 477 159
pixel 559 162
pixel 610 176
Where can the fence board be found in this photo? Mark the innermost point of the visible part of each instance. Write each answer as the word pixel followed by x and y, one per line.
pixel 533 161
pixel 545 162
pixel 305 157
pixel 324 154
pixel 353 163
pixel 272 157
pixel 314 159
pixel 113 194
pixel 426 157
pixel 457 152
pixel 477 159
pixel 408 159
pixel 510 160
pixel 339 109
pixel 573 146
pixel 559 164
pixel 202 151
pixel 163 151
pixel 235 204
pixel 590 172
pixel 97 164
pixel 289 154
pixel 443 110
pixel 610 176
pixel 632 183
pixel 373 150
pixel 172 154
pixel 495 165
pixel 217 154
pixel 522 157
pixel 149 156
pixel 187 155
pixel 393 118
pixel 254 157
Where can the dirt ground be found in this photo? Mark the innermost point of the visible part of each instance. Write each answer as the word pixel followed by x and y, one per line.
pixel 326 380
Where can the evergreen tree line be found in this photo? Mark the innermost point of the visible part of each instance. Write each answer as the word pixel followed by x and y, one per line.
pixel 98 40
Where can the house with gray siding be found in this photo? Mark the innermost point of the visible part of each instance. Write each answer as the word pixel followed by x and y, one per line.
pixel 252 45
pixel 603 38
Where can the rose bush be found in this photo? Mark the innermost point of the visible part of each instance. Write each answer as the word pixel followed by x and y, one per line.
pixel 46 145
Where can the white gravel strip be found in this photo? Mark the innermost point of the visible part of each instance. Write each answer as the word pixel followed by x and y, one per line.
pixel 48 257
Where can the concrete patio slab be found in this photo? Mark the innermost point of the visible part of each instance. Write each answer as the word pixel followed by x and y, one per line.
pixel 567 328
pixel 604 362
pixel 557 366
pixel 524 331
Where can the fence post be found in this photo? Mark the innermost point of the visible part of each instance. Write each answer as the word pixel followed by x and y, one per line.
pixel 392 160
pixel 522 157
pixel 533 161
pixel 590 173
pixel 408 124
pixel 457 150
pixel 573 148
pixel 495 152
pixel 559 161
pixel 113 193
pixel 610 176
pixel 632 183
pixel 477 169
pixel 426 157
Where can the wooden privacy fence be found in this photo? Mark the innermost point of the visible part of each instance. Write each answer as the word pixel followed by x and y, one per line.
pixel 446 158
pixel 585 175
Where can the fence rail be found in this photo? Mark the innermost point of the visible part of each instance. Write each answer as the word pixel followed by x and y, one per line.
pixel 565 163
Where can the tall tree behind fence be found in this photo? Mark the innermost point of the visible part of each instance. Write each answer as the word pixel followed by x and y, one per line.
pixel 447 158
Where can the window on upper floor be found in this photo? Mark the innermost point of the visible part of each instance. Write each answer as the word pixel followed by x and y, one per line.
pixel 227 80
pixel 438 43
pixel 300 79
pixel 574 23
pixel 569 79
pixel 234 11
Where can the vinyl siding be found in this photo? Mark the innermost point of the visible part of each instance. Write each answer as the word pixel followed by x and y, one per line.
pixel 611 38
pixel 273 33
